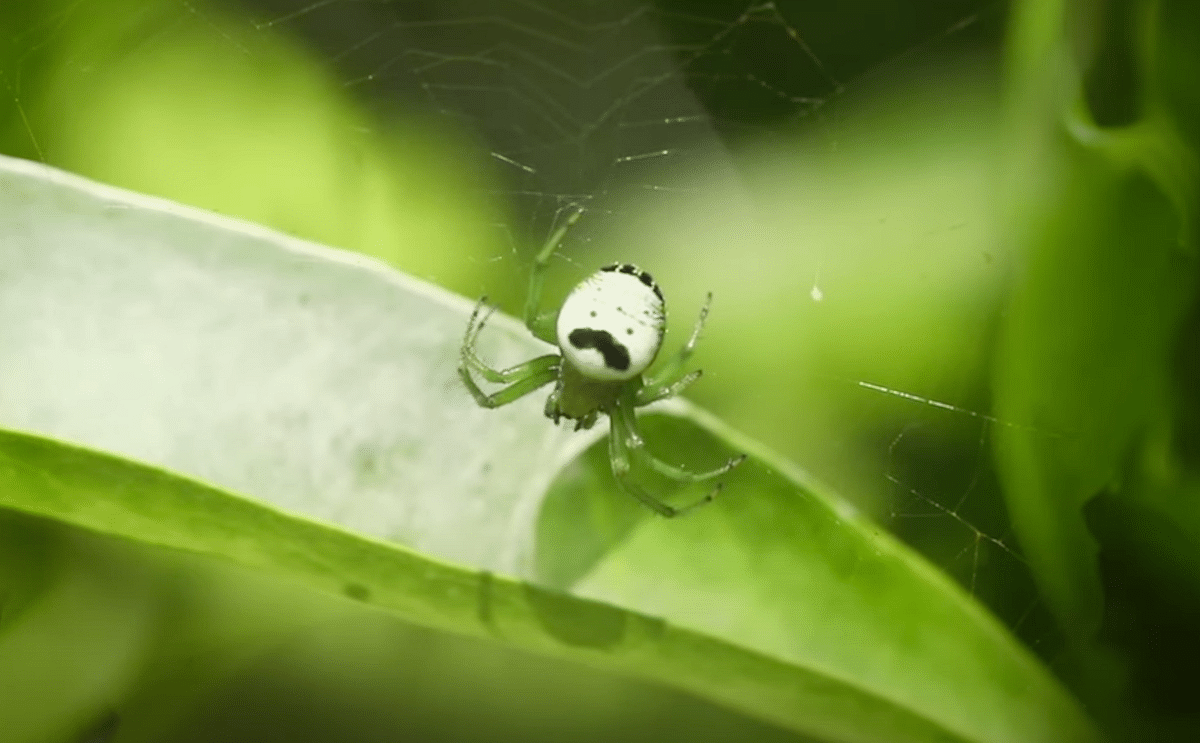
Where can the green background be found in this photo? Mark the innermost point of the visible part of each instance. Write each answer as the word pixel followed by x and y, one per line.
pixel 1000 219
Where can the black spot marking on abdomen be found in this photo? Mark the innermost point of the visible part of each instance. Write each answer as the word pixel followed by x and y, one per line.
pixel 615 355
pixel 642 276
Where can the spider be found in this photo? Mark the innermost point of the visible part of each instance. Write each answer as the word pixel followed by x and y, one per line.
pixel 608 332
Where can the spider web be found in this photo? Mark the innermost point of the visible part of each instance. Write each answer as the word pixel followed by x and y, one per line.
pixel 605 104
pixel 946 502
pixel 576 101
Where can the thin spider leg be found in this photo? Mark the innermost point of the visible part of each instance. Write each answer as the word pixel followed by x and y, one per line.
pixel 636 446
pixel 541 324
pixel 683 475
pixel 471 335
pixel 511 393
pixel 670 370
pixel 619 453
pixel 663 390
pixel 479 366
pixel 549 362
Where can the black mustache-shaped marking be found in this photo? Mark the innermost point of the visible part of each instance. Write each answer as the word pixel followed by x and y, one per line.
pixel 615 355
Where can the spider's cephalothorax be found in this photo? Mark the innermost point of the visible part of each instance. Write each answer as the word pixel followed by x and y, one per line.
pixel 608 331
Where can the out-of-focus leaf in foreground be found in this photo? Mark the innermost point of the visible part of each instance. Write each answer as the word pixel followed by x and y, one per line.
pixel 316 392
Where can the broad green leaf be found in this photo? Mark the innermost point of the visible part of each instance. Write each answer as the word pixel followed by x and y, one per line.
pixel 316 394
pixel 1103 205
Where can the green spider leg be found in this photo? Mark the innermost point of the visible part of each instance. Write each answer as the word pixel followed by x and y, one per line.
pixel 467 355
pixel 515 391
pixel 669 381
pixel 625 446
pixel 541 324
pixel 521 379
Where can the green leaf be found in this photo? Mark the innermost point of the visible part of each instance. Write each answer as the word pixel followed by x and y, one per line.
pixel 1105 216
pixel 316 392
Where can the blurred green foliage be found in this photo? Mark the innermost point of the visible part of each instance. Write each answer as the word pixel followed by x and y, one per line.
pixel 1026 256
pixel 203 108
pixel 1098 344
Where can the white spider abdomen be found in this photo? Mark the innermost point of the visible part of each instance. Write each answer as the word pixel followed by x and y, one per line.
pixel 611 325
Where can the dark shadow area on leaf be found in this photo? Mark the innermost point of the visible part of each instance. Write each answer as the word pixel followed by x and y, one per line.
pixel 585 513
